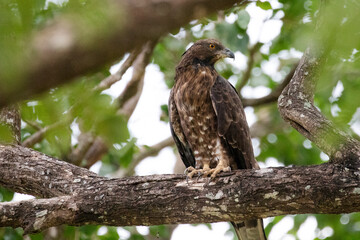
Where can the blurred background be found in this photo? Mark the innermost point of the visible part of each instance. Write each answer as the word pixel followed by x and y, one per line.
pixel 115 121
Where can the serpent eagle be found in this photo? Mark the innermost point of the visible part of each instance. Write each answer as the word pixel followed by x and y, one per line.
pixel 208 122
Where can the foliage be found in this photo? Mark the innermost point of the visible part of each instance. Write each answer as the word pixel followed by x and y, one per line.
pixel 79 108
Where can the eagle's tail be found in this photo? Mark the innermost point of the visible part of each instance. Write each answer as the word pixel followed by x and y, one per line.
pixel 250 230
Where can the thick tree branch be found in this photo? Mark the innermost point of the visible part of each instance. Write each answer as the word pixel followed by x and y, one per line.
pixel 166 199
pixel 72 46
pixel 27 171
pixel 296 106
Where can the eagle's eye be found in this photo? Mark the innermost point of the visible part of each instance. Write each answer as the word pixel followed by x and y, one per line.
pixel 212 46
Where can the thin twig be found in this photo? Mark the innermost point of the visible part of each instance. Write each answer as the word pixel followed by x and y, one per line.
pixel 77 154
pixel 274 95
pixel 129 98
pixel 33 124
pixel 144 153
pixel 250 63
pixel 95 152
pixel 40 134
pixel 92 151
pixel 110 80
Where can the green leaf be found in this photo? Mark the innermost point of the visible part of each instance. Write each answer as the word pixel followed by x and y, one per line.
pixel 161 231
pixel 110 235
pixel 243 19
pixel 119 156
pixel 136 236
pixel 6 135
pixel 112 128
pixel 164 113
pixel 8 233
pixel 232 36
pixel 263 5
pixel 6 195
pixel 59 140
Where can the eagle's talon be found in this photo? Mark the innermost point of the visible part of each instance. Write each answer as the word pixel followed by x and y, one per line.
pixel 187 180
pixel 208 172
pixel 217 170
pixel 191 171
pixel 208 180
pixel 188 170
pixel 199 175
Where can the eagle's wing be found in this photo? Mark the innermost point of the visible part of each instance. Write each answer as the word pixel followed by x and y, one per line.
pixel 232 125
pixel 233 128
pixel 185 152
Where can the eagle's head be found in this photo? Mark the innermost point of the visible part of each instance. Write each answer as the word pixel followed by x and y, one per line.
pixel 207 51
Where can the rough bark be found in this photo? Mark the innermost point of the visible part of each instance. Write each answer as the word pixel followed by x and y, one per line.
pixel 70 46
pixel 82 197
pixel 10 117
pixel 27 171
pixel 297 107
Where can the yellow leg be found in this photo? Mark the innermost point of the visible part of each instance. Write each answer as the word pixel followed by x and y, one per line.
pixel 222 166
pixel 191 171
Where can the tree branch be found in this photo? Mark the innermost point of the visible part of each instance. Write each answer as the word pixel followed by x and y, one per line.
pixel 33 124
pixel 129 98
pixel 70 47
pixel 297 107
pixel 86 140
pixel 90 149
pixel 40 134
pixel 27 171
pixel 274 95
pixel 10 117
pixel 82 197
pixel 144 153
pixel 110 80
pixel 92 199
pixel 250 63
pixel 95 152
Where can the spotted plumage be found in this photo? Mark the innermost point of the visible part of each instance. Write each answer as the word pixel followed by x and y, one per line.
pixel 208 121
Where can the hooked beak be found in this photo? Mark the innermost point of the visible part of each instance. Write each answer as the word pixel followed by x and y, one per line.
pixel 228 53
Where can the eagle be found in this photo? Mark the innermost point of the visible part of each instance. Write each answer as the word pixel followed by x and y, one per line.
pixel 208 123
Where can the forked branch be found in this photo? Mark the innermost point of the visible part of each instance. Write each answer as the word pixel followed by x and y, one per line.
pixel 297 107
